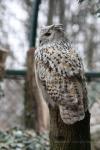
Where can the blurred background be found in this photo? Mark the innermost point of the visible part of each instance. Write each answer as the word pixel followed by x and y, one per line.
pixel 81 20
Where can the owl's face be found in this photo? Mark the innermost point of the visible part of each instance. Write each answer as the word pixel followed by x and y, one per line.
pixel 50 34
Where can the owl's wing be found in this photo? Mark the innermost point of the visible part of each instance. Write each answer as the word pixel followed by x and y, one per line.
pixel 67 64
pixel 69 90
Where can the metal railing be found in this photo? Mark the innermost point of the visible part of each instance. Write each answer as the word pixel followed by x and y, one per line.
pixel 22 73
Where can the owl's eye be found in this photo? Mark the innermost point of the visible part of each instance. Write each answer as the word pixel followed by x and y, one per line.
pixel 47 34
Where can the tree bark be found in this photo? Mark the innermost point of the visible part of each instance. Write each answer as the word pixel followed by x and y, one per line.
pixel 69 137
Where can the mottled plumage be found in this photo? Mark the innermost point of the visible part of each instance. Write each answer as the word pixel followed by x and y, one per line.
pixel 60 74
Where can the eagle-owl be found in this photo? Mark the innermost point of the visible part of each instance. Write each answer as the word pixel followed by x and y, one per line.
pixel 60 74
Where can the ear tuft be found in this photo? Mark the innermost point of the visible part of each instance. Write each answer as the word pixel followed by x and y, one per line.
pixel 46 28
pixel 59 27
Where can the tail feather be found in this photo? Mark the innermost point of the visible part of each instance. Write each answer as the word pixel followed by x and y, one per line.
pixel 70 116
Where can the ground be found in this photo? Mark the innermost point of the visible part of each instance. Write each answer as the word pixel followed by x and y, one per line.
pixel 17 139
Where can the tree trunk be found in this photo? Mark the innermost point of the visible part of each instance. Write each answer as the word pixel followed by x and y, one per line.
pixel 62 17
pixel 51 12
pixel 91 48
pixel 69 137
pixel 34 104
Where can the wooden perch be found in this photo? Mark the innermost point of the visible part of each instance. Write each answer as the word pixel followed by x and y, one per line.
pixel 69 137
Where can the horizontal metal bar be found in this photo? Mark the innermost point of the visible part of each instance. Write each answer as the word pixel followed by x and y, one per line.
pixel 16 73
pixel 22 73
pixel 92 74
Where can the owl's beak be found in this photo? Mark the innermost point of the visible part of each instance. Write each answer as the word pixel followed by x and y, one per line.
pixel 40 42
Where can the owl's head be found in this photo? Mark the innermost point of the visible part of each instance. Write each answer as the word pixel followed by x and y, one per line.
pixel 51 33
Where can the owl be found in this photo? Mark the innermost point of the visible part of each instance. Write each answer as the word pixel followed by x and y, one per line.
pixel 60 74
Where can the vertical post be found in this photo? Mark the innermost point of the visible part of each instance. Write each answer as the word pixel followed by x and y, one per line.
pixel 31 103
pixel 36 4
pixel 3 55
pixel 34 114
pixel 69 137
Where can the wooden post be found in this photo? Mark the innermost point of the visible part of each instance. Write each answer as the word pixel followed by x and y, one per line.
pixel 34 113
pixel 69 137
pixel 29 96
pixel 3 55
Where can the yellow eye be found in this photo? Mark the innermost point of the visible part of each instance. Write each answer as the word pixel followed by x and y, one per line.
pixel 47 34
